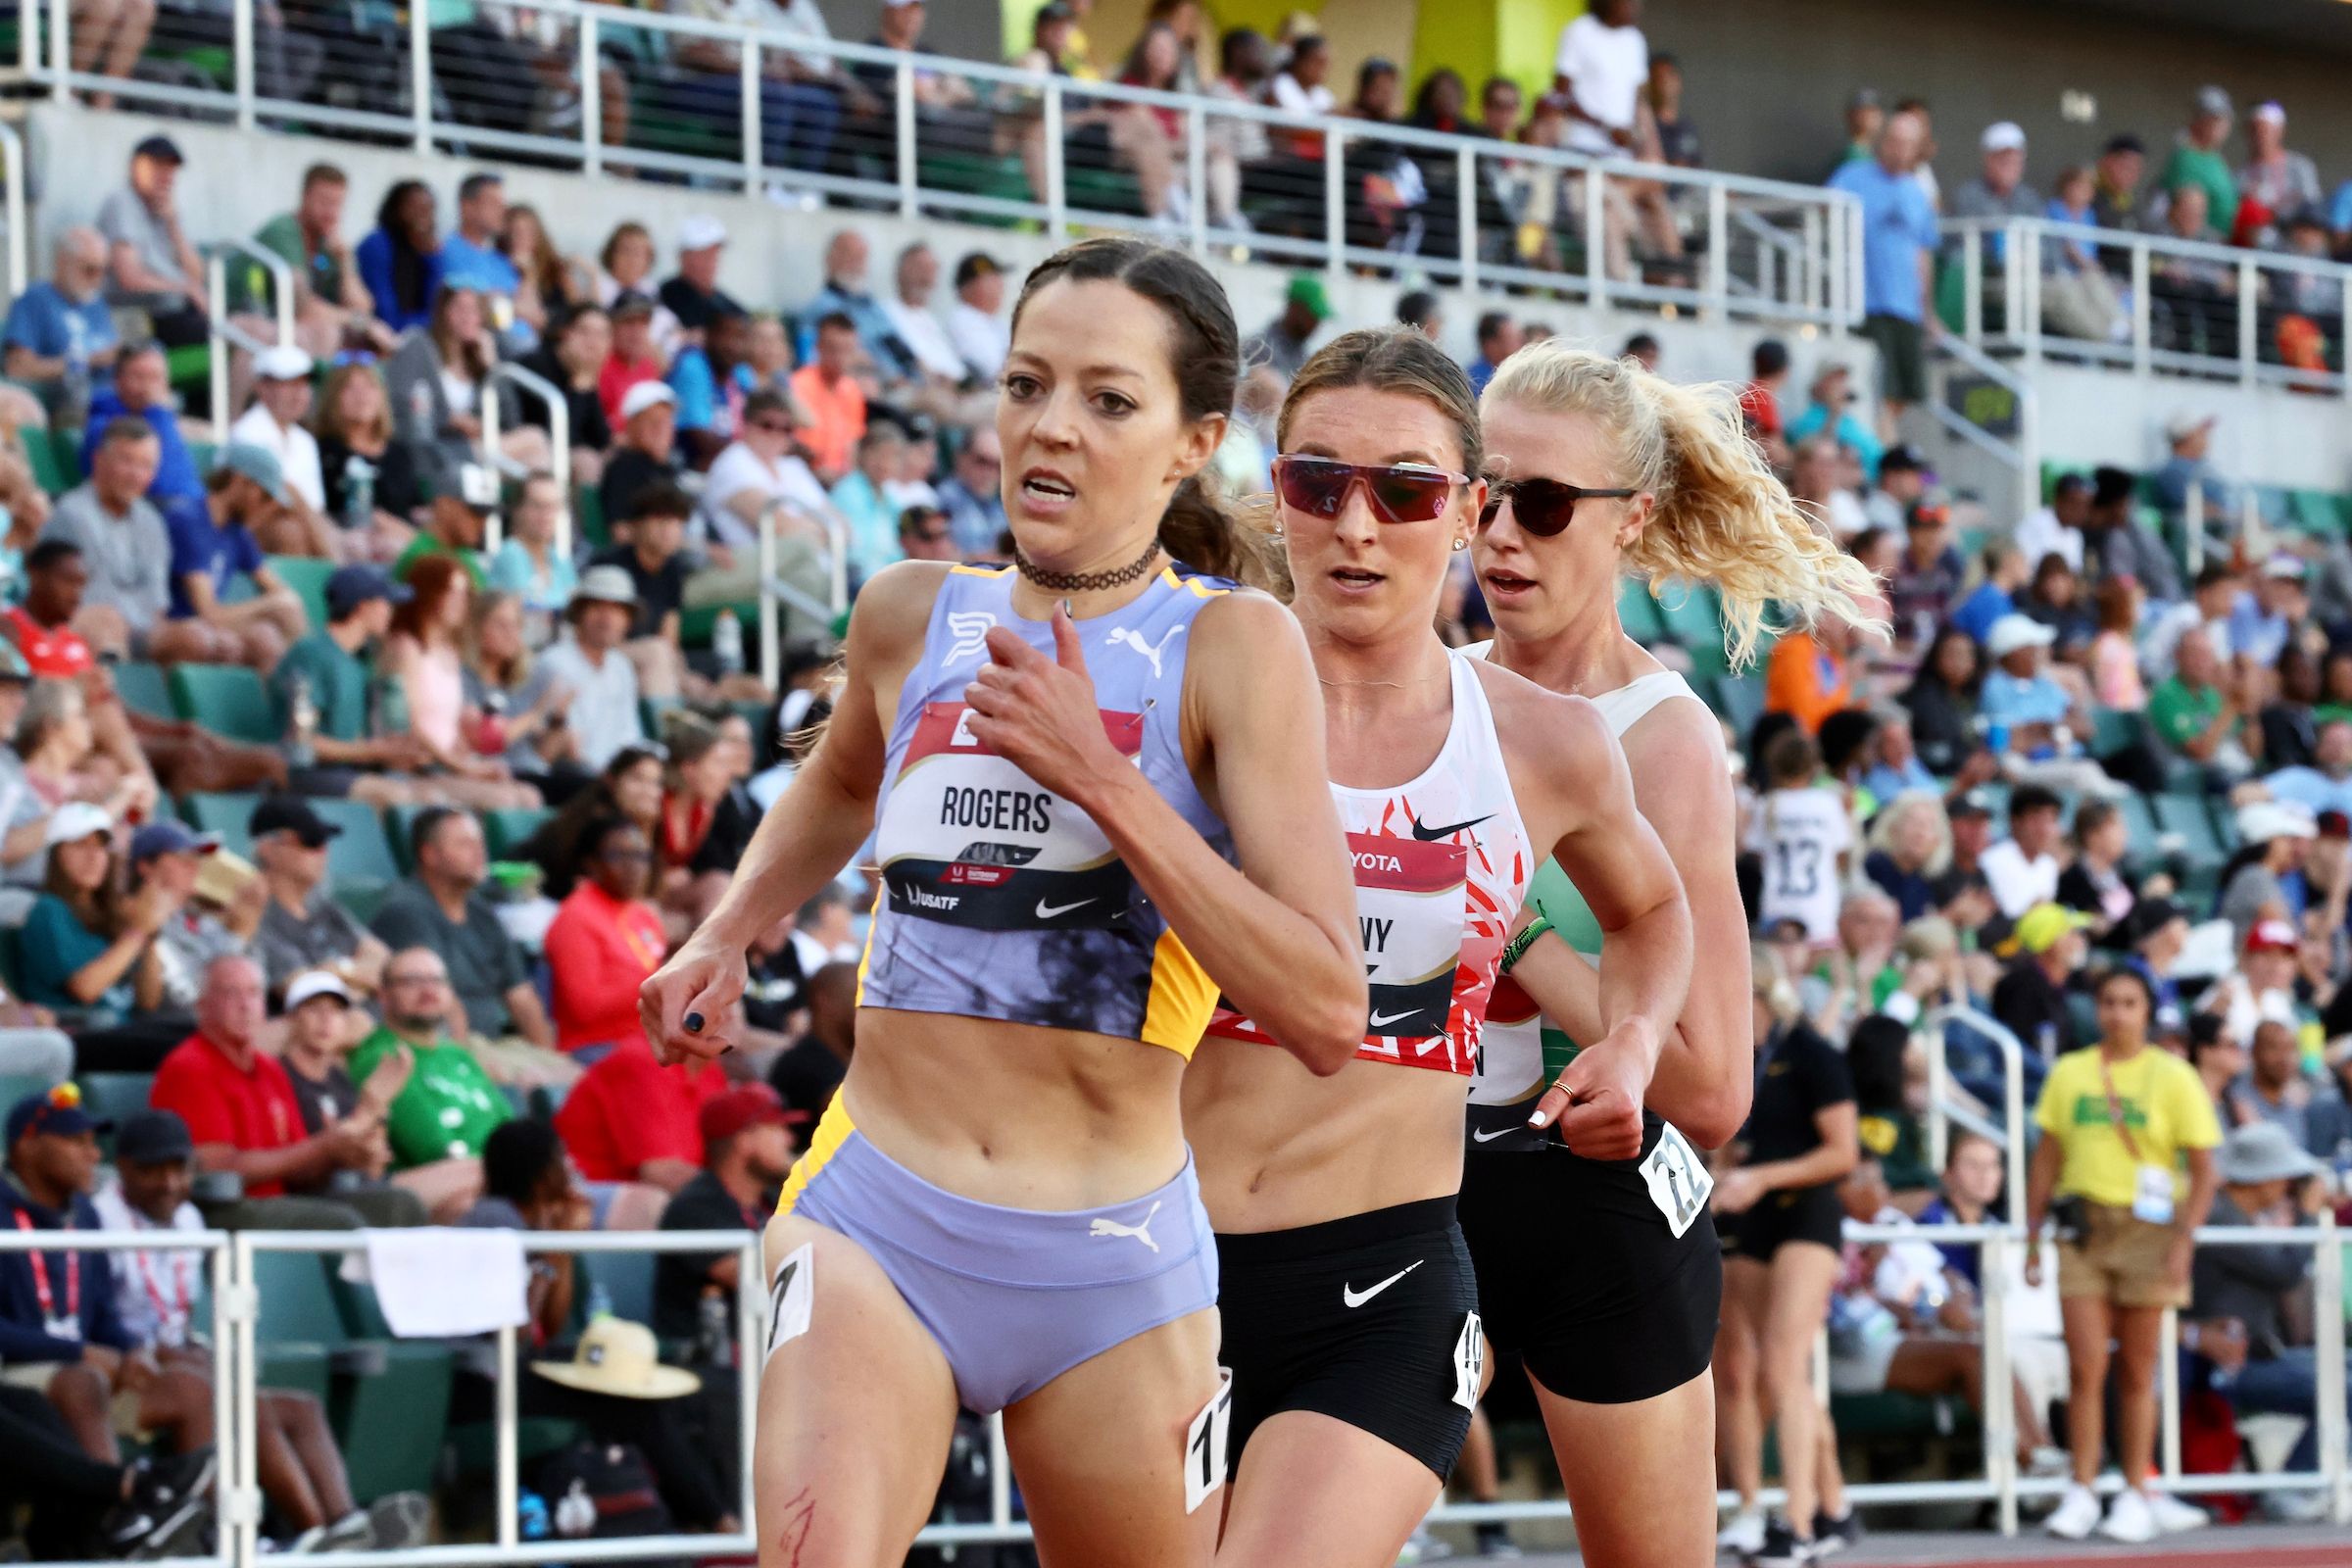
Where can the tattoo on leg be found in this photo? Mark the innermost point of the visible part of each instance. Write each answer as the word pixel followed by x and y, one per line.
pixel 800 1523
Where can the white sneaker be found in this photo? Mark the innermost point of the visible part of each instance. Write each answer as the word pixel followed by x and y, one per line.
pixel 2173 1516
pixel 2077 1515
pixel 2130 1518
pixel 1744 1536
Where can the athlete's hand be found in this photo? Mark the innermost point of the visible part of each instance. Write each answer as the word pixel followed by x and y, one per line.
pixel 693 1005
pixel 1038 713
pixel 1597 1099
pixel 1738 1189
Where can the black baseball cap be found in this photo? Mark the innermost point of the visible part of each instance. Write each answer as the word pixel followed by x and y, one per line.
pixel 163 147
pixel 979 264
pixel 1902 458
pixel 1976 803
pixel 291 813
pixel 153 1138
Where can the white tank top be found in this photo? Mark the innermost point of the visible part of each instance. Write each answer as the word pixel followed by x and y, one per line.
pixel 1442 866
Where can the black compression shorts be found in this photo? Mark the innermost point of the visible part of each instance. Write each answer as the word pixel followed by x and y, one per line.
pixel 1800 1214
pixel 1579 1273
pixel 1366 1319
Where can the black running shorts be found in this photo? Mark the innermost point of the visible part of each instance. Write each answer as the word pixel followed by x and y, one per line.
pixel 1579 1273
pixel 1800 1214
pixel 1371 1320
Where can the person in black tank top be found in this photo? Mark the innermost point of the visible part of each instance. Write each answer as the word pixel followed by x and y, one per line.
pixel 1605 470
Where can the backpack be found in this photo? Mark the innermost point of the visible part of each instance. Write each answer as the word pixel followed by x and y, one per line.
pixel 603 1490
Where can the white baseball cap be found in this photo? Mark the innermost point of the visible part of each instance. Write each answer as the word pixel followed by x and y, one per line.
pixel 700 231
pixel 2260 821
pixel 2002 136
pixel 315 983
pixel 643 396
pixel 2180 426
pixel 78 819
pixel 2013 633
pixel 281 362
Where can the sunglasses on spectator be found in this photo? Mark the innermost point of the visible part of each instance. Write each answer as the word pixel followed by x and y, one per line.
pixel 932 536
pixel 773 426
pixel 1407 492
pixel 1541 507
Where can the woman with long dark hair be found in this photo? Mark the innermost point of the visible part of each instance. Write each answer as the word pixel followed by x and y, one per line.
pixel 1942 700
pixel 400 261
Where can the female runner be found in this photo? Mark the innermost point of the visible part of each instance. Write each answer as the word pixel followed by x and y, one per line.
pixel 1346 1298
pixel 1614 1310
pixel 1095 784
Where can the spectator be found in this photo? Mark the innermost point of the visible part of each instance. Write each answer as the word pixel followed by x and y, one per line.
pixel 321 1018
pixel 641 462
pixel 2195 715
pixel 2094 884
pixel 2115 679
pixel 925 533
pixel 151 265
pixel 528 566
pixel 976 325
pixel 1806 675
pixel 2275 837
pixel 142 390
pixel 2025 710
pixel 1994 599
pixel 2197 159
pixel 2115 200
pixel 275 423
pixel 633 1119
pixel 2325 784
pixel 371 481
pixel 212 545
pixel 2056 530
pixel 521 705
pixel 330 301
pixel 1760 399
pixel 747 1151
pixel 657 571
pixel 2023 867
pixel 166 854
pixel 2001 190
pixel 803 93
pixel 2290 720
pixel 241 1110
pixel 629 786
pixel 872 520
pixel 759 471
pixel 440 378
pixel 1601 67
pixel 571 358
pixel 712 381
pixel 463 495
pixel 694 296
pixel 123 545
pixel 1910 843
pixel 471 258
pixel 1302 87
pixel 2209 608
pixel 1678 138
pixel 442 1106
pixel 2194 297
pixel 303 930
pixel 59 332
pixel 706 824
pixel 2273 615
pixel 590 665
pixel 2046 953
pixel 625 274
pixel 2119 546
pixel 1802 831
pixel 1420 310
pixel 326 673
pixel 1902 481
pixel 828 389
pixel 973 498
pixel 400 261
pixel 1499 336
pixel 605 942
pixel 1900 244
pixel 1829 410
pixel 1864 117
pixel 807 1072
pixel 935 373
pixel 2274 1088
pixel 1969 1193
pixel 88 948
pixel 423 669
pixel 1928 575
pixel 634 359
pixel 441 908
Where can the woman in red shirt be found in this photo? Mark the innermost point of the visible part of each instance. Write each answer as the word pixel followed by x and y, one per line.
pixel 605 941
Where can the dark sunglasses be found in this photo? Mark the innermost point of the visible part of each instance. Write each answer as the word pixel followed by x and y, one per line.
pixel 1403 493
pixel 773 426
pixel 1541 507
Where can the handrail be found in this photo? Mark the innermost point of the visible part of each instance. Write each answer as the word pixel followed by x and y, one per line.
pixel 775 593
pixel 12 168
pixel 559 441
pixel 2023 456
pixel 225 333
pixel 1930 1027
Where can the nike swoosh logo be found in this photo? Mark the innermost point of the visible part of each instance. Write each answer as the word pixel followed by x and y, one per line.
pixel 1355 1297
pixel 1431 835
pixel 1488 1137
pixel 1046 912
pixel 1379 1020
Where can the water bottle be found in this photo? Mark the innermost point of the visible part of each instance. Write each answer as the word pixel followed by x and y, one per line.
pixel 391 708
pixel 531 1522
pixel 421 411
pixel 303 753
pixel 359 493
pixel 713 1341
pixel 600 1300
pixel 726 641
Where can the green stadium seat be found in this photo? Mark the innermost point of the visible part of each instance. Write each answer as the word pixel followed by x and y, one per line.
pixel 509 828
pixel 588 515
pixel 15 1086
pixel 361 852
pixel 144 689
pixel 113 1095
pixel 308 578
pixel 363 898
pixel 1694 618
pixel 299 1328
pixel 400 825
pixel 2187 816
pixel 1637 613
pixel 227 699
pixel 1739 699
pixel 2225 825
pixel 48 469
pixel 2140 822
pixel 2112 730
pixel 67 446
pixel 229 816
pixel 2316 511
pixel 392 1426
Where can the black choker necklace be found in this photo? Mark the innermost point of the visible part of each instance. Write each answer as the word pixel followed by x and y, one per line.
pixel 1082 582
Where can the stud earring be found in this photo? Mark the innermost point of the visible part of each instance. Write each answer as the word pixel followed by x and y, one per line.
pixel 1461 544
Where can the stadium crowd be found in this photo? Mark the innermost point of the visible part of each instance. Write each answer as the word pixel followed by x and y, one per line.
pixel 344 842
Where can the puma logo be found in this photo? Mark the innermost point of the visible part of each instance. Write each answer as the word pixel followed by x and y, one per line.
pixel 1142 1231
pixel 1133 641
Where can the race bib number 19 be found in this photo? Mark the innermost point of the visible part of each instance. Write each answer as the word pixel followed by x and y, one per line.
pixel 1469 1362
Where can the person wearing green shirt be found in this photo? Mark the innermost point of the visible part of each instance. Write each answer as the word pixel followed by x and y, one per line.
pixel 2195 714
pixel 327 667
pixel 463 496
pixel 2198 159
pixel 331 301
pixel 450 1107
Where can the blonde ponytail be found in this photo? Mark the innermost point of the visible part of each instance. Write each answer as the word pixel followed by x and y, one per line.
pixel 1720 516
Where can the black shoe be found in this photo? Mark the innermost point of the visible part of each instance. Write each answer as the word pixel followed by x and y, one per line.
pixel 166 1496
pixel 1494 1540
pixel 1781 1548
pixel 1832 1535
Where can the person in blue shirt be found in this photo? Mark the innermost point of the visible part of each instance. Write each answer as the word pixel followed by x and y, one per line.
pixel 1897 767
pixel 712 382
pixel 213 543
pixel 2006 571
pixel 401 262
pixel 858 496
pixel 1499 336
pixel 1899 249
pixel 470 257
pixel 846 259
pixel 2325 785
pixel 1832 409
pixel 2270 615
pixel 2019 702
pixel 143 389
pixel 60 329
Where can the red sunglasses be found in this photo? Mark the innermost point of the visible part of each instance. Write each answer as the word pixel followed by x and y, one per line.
pixel 1398 493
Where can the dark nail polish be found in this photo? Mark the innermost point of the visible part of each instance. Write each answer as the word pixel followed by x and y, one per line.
pixel 694 1023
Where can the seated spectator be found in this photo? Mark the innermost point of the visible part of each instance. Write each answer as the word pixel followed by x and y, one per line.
pixel 1942 701
pixel 746 1153
pixel 2273 615
pixel 2189 436
pixel 873 522
pixel 927 535
pixel 1802 831
pixel 2023 867
pixel 632 358
pixel 2056 530
pixel 331 301
pixel 1830 412
pixel 421 662
pixel 372 482
pixel 973 498
pixel 2274 839
pixel 1928 575
pixel 1283 344
pixel 142 392
pixel 2077 297
pixel 2094 884
pixel 605 943
pixel 303 930
pixel 2114 545
pixel 401 262
pixel 1894 768
pixel 625 276
pixel 2196 716
pixel 522 706
pixel 976 324
pixel 694 296
pixel 57 762
pixel 2156 933
pixel 2325 785
pixel 165 854
pixel 2210 606
pixel 60 336
pixel 631 1119
pixel 656 569
pixel 491 997
pixel 300 1470
pixel 87 950
pixel 439 378
pixel 151 265
pixel 463 495
pixel 629 787
pixel 2006 574
pixel 1970 1194
pixel 806 1074
pixel 770 357
pixel 1760 400
pixel 707 823
pixel 241 1110
pixel 1902 480
pixel 932 379
pixel 571 358
pixel 829 391
pixel 641 460
pixel 527 566
pixel 2054 600
pixel 2115 679
pixel 1807 675
pixel 2274 1088
pixel 281 401
pixel 472 258
pixel 802 94
pixel 2025 712
pixel 759 471
pixel 2260 991
pixel 442 1106
pixel 1910 843
pixel 213 543
pixel 2045 954
pixel 2289 722
pixel 591 664
pixel 712 381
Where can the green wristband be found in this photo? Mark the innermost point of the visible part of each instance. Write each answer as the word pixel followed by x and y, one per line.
pixel 1516 949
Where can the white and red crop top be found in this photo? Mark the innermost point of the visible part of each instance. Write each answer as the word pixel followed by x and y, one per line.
pixel 1442 866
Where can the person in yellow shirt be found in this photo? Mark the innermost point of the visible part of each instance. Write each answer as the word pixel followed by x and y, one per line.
pixel 2119 1122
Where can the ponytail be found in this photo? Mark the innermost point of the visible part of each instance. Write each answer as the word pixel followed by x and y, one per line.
pixel 1205 533
pixel 1720 516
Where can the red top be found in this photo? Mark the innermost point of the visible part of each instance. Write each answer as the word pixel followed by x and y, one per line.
pixel 629 1109
pixel 601 951
pixel 54 653
pixel 613 381
pixel 1760 409
pixel 249 1108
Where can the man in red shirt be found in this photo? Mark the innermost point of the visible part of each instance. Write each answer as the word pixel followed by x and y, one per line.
pixel 240 1108
pixel 631 1119
pixel 1760 400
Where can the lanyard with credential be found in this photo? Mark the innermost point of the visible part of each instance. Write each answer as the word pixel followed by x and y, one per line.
pixel 40 1280
pixel 2115 1113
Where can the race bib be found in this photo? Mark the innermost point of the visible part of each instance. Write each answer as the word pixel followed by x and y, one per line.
pixel 1204 1444
pixel 790 1297
pixel 1678 1180
pixel 2152 1196
pixel 1469 1361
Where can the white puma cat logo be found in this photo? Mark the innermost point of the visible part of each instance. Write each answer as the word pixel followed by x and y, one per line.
pixel 1142 1232
pixel 1121 637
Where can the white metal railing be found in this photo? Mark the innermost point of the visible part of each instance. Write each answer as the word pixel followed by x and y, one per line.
pixel 775 593
pixel 1931 1031
pixel 2022 456
pixel 12 168
pixel 559 443
pixel 226 336
pixel 2158 321
pixel 1808 273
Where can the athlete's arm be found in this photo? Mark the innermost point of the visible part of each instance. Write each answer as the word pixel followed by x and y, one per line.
pixel 1277 934
pixel 816 825
pixel 1839 1152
